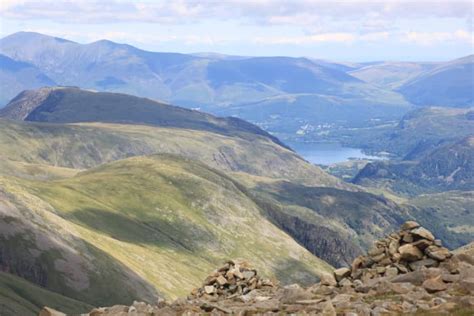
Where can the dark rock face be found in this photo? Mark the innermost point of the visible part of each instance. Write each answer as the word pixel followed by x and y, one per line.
pixel 319 240
pixel 382 282
pixel 26 268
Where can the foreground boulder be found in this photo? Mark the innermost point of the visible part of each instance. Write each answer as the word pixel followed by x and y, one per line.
pixel 408 272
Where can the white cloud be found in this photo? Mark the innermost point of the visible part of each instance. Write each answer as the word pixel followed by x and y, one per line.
pixel 431 38
pixel 309 21
pixel 309 39
pixel 324 38
pixel 285 12
pixel 7 4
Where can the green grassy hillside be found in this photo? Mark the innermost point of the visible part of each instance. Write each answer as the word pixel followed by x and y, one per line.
pixel 20 297
pixel 86 145
pixel 450 214
pixel 139 228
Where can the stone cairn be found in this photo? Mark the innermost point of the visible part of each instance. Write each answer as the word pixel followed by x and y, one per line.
pixel 232 279
pixel 411 249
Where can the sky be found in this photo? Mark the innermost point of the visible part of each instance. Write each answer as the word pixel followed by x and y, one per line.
pixel 351 30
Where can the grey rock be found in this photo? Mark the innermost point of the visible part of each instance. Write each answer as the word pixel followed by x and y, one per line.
pixel 467 285
pixel 421 232
pixel 438 253
pixel 408 225
pixel 416 265
pixel 434 285
pixel 391 272
pixel 341 273
pixel 415 277
pixel 327 279
pixel 345 282
pixel 409 252
pixel 402 288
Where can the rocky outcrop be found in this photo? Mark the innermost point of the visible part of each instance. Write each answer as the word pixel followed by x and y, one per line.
pixel 325 243
pixel 408 272
pixel 25 103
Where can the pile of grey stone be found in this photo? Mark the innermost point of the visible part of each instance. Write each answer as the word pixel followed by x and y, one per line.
pixel 411 249
pixel 234 278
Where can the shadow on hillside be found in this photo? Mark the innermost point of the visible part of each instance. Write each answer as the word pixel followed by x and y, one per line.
pixel 178 236
pixel 290 271
pixel 359 210
pixel 89 275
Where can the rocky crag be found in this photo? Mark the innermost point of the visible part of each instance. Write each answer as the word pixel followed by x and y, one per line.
pixel 408 272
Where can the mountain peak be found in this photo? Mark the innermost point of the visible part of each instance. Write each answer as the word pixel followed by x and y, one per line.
pixel 26 102
pixel 29 36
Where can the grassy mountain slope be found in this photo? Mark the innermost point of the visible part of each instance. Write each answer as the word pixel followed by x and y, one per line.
pixel 449 213
pixel 20 297
pixel 450 84
pixel 18 76
pixel 86 145
pixel 144 215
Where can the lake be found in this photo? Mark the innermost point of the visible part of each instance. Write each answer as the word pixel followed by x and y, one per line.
pixel 328 153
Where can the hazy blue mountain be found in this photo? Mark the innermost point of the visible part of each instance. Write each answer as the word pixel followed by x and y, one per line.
pixel 101 65
pixel 302 114
pixel 211 82
pixel 17 76
pixel 390 74
pixel 449 84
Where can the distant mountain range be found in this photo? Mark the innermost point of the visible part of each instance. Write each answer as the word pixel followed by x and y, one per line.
pixel 281 94
pixel 448 84
pixel 18 76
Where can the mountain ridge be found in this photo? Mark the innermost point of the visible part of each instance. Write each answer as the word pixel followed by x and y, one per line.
pixel 58 104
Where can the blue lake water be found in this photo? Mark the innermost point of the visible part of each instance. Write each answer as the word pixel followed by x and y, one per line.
pixel 328 153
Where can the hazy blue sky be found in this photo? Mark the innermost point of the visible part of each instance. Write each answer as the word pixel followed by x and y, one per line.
pixel 338 30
